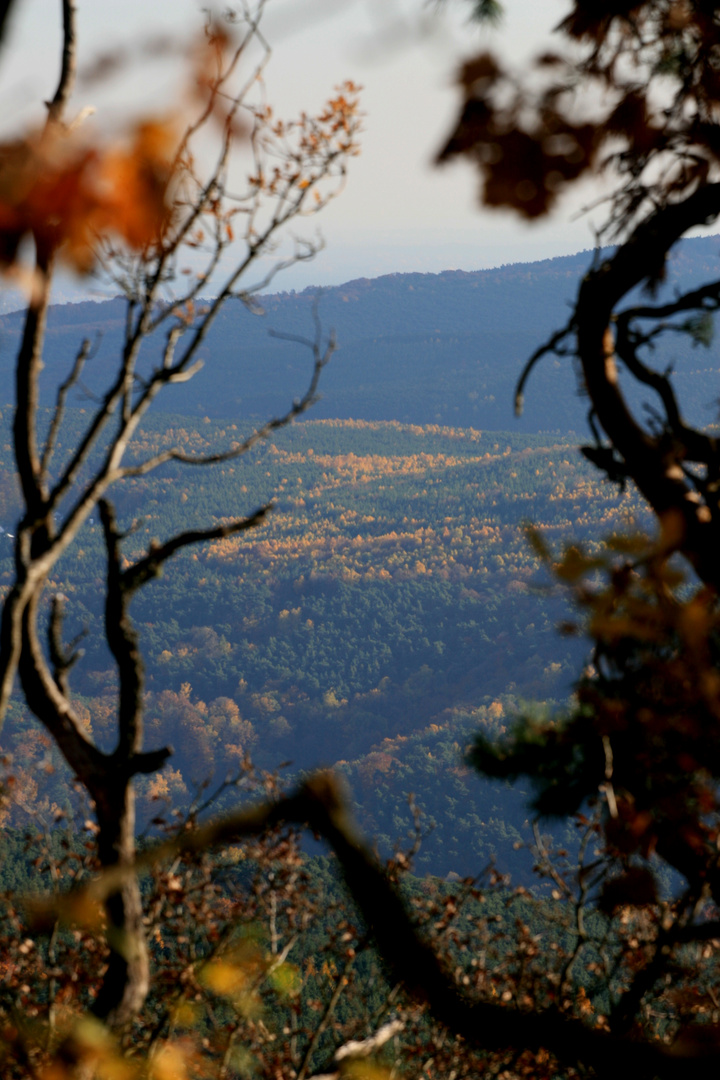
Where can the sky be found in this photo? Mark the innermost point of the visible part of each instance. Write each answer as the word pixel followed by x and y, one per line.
pixel 398 213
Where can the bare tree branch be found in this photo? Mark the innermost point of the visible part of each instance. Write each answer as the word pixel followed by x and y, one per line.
pixel 136 575
pixel 56 107
pixel 6 7
pixel 320 804
pixel 322 356
pixel 649 461
pixel 62 658
pixel 553 345
pixel 59 410
pixel 290 163
pixel 322 1025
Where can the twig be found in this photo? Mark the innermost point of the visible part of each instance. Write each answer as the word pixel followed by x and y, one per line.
pixel 68 71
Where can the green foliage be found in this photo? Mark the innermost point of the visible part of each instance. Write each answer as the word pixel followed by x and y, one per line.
pixel 701 329
pixel 643 730
pixel 486 11
pixel 563 769
pixel 386 611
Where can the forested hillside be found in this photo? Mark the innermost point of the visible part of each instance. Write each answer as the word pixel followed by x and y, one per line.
pixel 416 348
pixel 390 605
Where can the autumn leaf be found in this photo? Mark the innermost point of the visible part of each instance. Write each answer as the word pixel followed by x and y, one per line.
pixel 68 195
pixel 636 886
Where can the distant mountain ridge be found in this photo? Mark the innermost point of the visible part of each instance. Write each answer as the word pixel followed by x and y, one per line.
pixel 420 348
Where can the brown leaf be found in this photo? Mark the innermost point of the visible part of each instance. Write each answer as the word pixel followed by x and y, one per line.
pixel 482 68
pixel 635 887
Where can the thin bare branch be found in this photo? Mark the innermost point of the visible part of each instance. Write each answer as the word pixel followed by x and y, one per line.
pixel 59 410
pixel 580 905
pixel 146 274
pixel 320 804
pixel 68 71
pixel 550 346
pixel 136 575
pixel 98 423
pixel 252 34
pixel 327 1015
pixel 322 357
pixel 62 658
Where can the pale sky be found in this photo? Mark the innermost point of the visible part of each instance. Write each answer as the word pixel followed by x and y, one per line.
pixel 398 213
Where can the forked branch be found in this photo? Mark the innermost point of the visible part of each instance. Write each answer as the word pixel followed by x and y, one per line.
pixel 320 804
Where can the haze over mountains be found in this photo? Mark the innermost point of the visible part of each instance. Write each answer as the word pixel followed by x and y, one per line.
pixel 417 348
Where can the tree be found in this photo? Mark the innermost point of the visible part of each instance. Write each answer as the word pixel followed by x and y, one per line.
pixel 634 90
pixel 136 209
pixel 517 1007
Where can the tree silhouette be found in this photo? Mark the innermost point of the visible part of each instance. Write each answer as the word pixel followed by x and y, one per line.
pixel 631 90
pixel 135 208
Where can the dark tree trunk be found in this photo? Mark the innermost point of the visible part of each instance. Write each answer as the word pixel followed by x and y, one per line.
pixel 127 979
